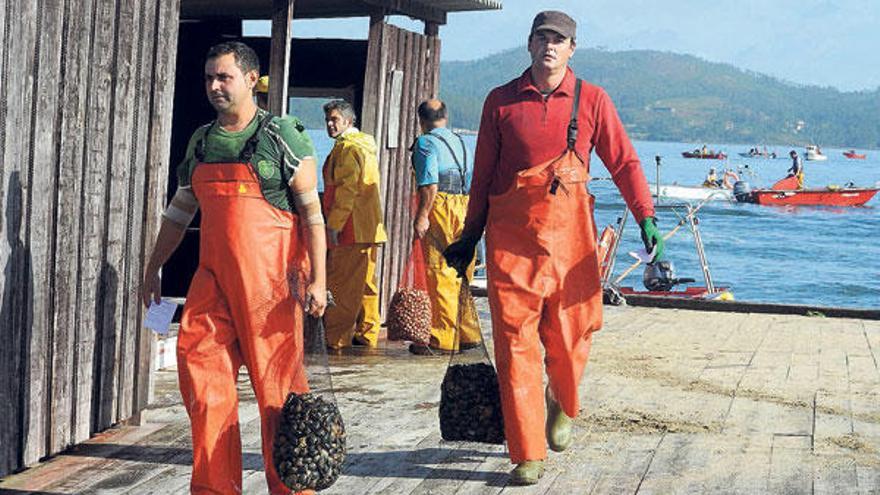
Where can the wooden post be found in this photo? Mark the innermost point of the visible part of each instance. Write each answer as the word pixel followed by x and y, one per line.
pixel 432 31
pixel 279 56
pixel 374 79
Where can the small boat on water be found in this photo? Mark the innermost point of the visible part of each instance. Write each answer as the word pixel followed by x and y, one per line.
pixel 785 192
pixel 694 193
pixel 852 155
pixel 770 156
pixel 814 153
pixel 711 155
pixel 759 153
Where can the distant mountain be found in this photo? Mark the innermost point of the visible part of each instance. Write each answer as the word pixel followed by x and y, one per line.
pixel 671 97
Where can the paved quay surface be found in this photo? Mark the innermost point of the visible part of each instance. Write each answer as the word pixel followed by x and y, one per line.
pixel 674 401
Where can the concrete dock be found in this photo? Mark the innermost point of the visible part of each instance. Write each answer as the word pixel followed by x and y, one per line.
pixel 675 401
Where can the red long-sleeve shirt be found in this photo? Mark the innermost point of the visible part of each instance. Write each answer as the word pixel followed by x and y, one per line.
pixel 520 129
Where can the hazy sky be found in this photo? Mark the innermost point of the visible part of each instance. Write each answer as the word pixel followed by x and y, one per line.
pixel 830 43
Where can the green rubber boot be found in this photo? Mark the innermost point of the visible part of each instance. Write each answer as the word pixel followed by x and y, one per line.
pixel 527 473
pixel 558 427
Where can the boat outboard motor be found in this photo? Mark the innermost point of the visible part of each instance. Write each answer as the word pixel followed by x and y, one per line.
pixel 742 191
pixel 660 277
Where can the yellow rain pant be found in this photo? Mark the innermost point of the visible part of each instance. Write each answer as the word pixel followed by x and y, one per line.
pixel 446 223
pixel 351 278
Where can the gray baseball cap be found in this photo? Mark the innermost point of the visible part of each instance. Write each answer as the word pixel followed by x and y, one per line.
pixel 556 21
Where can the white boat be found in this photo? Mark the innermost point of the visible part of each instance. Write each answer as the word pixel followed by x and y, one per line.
pixel 697 193
pixel 814 153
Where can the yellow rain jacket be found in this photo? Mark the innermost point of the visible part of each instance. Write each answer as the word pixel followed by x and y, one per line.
pixel 352 204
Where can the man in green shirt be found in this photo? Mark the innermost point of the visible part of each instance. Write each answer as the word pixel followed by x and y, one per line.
pixel 261 266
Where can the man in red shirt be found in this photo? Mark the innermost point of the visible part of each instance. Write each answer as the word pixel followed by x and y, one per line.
pixel 529 193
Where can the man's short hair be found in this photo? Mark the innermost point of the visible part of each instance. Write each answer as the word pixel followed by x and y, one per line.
pixel 343 107
pixel 245 57
pixel 428 113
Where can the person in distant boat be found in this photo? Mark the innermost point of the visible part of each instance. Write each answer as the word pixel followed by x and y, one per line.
pixel 704 150
pixel 711 179
pixel 797 168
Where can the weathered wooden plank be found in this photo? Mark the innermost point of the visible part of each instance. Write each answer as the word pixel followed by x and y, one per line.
pixel 163 59
pixel 12 250
pixel 8 386
pixel 403 49
pixel 403 174
pixel 52 403
pixel 393 130
pixel 388 281
pixel 400 206
pixel 431 67
pixel 687 463
pixel 426 62
pixel 387 64
pixel 70 160
pixel 457 466
pixel 375 454
pixel 4 45
pixel 490 476
pixel 26 35
pixel 114 329
pixel 372 116
pixel 435 82
pixel 791 469
pixel 372 81
pixel 402 201
pixel 98 281
pixel 140 132
pixel 623 472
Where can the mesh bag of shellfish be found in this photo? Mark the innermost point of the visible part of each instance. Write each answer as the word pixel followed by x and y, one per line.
pixel 409 314
pixel 309 447
pixel 470 402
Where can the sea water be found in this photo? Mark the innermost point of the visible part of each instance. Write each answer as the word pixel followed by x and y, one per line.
pixel 823 256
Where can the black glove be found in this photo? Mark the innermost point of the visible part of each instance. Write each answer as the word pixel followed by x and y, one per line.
pixel 460 254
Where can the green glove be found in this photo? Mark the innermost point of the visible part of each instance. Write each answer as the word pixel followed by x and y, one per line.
pixel 460 254
pixel 651 237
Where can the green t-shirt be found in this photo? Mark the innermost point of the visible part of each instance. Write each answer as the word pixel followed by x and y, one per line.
pixel 283 144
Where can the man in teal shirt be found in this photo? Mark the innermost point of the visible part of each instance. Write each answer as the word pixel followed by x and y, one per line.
pixel 443 176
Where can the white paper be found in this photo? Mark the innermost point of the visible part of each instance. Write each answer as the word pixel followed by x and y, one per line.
pixel 159 316
pixel 643 255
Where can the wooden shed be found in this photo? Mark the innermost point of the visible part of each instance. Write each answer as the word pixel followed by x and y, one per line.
pixel 90 91
pixel 85 125
pixel 386 75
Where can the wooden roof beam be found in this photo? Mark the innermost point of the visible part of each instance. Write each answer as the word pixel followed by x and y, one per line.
pixel 412 8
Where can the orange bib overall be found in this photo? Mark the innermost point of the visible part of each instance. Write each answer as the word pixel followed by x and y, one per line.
pixel 543 275
pixel 243 307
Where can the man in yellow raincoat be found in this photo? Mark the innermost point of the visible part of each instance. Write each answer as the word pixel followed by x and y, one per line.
pixel 443 176
pixel 354 230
